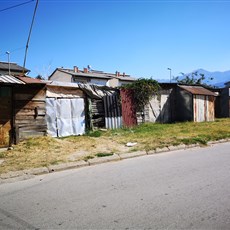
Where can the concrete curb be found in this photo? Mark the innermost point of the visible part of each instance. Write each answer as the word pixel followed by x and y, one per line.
pixel 132 154
pixel 14 176
pixel 70 165
pixel 100 160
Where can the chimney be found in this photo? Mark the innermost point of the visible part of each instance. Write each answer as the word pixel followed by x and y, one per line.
pixel 117 74
pixel 75 69
pixel 123 74
pixel 85 70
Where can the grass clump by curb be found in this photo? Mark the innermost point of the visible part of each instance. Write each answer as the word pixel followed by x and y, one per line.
pixel 86 158
pixel 104 154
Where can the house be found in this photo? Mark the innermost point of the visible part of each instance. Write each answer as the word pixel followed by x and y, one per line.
pixel 22 109
pixel 13 69
pixel 89 76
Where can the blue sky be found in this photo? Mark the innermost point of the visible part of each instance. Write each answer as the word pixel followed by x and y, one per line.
pixel 140 38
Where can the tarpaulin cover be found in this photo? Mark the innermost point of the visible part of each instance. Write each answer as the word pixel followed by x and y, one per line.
pixel 65 117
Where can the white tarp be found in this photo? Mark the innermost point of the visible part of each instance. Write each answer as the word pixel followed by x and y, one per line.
pixel 51 109
pixel 65 117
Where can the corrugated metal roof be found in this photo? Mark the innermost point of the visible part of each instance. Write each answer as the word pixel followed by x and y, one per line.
pixel 197 90
pixel 29 80
pixel 13 67
pixel 10 80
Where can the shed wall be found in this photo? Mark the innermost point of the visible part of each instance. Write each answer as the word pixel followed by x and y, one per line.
pixel 203 108
pixel 184 105
pixel 5 115
pixel 225 102
pixel 29 111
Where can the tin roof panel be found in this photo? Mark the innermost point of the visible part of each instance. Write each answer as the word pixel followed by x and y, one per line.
pixel 197 90
pixel 10 80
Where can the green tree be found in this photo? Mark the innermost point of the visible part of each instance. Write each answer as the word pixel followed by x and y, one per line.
pixel 143 89
pixel 194 78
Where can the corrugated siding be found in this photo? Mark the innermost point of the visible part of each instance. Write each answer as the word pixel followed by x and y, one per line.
pixel 113 118
pixel 203 107
pixel 10 79
pixel 128 108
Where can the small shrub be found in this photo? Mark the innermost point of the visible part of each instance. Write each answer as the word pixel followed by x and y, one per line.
pixel 96 133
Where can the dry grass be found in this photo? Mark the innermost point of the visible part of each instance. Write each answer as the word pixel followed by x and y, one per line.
pixel 44 151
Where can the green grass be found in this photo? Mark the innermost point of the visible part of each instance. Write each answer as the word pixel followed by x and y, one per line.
pixel 40 151
pixel 152 135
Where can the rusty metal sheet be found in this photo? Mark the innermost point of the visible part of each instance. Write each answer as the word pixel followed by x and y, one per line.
pixel 30 80
pixel 203 108
pixel 128 109
pixel 197 90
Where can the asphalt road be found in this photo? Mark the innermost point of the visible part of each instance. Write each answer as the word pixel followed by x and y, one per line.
pixel 187 189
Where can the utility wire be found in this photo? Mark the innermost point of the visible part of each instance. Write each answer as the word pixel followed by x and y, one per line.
pixel 28 40
pixel 12 51
pixel 11 7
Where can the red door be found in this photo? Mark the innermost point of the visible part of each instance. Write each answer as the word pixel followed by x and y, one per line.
pixel 128 108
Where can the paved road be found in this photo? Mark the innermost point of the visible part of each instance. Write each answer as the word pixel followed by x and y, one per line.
pixel 177 190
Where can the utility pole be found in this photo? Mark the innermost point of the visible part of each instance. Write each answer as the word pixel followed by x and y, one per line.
pixel 170 74
pixel 8 53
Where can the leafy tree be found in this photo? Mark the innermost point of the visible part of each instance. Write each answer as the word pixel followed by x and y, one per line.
pixel 194 78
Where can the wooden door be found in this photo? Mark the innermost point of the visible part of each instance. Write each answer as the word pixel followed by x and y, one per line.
pixel 5 115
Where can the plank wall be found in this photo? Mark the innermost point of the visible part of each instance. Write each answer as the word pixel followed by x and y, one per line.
pixel 29 111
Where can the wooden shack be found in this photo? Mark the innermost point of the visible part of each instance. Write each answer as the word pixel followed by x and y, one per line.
pixel 194 103
pixel 23 103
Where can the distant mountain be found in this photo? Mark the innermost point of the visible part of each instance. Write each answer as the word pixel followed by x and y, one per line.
pixel 218 78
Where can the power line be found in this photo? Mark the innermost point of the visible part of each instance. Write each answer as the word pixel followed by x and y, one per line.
pixel 12 51
pixel 11 7
pixel 28 40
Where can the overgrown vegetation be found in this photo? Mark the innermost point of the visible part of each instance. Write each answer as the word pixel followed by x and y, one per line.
pixel 44 151
pixel 143 89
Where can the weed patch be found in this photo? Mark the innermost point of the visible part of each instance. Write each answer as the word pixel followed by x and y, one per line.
pixel 103 154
